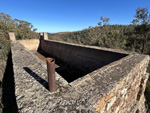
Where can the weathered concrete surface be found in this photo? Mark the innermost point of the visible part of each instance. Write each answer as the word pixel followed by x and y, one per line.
pixel 12 36
pixel 32 44
pixel 124 96
pixel 45 36
pixel 82 57
pixel 117 87
pixel 30 83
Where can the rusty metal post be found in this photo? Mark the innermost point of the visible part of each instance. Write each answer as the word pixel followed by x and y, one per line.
pixel 51 74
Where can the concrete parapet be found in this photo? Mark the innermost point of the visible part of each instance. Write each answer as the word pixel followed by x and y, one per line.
pixel 116 87
pixel 32 44
pixel 43 36
pixel 82 57
pixel 12 36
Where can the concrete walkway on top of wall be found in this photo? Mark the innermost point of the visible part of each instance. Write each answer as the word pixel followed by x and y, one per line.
pixel 81 95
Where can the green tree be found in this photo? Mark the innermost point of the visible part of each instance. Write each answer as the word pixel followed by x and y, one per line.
pixel 7 24
pixel 22 29
pixel 142 27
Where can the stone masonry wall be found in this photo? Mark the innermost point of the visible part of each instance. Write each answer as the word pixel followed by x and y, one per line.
pixel 82 57
pixel 119 87
pixel 115 88
pixel 128 96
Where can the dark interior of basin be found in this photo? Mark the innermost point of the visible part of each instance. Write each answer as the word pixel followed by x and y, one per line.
pixel 68 72
pixel 72 61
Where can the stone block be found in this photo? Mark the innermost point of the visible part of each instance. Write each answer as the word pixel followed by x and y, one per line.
pixel 111 103
pixel 101 104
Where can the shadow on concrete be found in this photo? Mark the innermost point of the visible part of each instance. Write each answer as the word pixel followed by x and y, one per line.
pixel 8 89
pixel 40 44
pixel 72 72
pixel 36 77
pixel 147 96
pixel 68 72
pixel 147 91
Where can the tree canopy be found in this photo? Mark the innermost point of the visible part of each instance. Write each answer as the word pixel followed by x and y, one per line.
pixel 133 37
pixel 22 29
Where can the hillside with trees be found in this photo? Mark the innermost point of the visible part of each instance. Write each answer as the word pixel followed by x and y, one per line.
pixel 134 37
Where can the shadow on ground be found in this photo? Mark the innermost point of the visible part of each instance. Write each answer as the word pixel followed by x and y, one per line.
pixel 36 77
pixel 147 92
pixel 8 89
pixel 147 96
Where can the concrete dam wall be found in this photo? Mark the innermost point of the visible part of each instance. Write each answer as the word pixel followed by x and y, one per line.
pixel 114 81
pixel 82 57
pixel 31 44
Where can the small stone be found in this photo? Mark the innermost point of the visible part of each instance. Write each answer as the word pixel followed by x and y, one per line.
pixel 111 103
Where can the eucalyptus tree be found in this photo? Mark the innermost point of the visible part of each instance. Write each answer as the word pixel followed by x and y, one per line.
pixel 7 24
pixel 22 29
pixel 142 28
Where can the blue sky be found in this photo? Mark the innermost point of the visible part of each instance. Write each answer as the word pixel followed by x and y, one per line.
pixel 71 15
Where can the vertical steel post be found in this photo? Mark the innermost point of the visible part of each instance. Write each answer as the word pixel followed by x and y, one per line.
pixel 51 74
